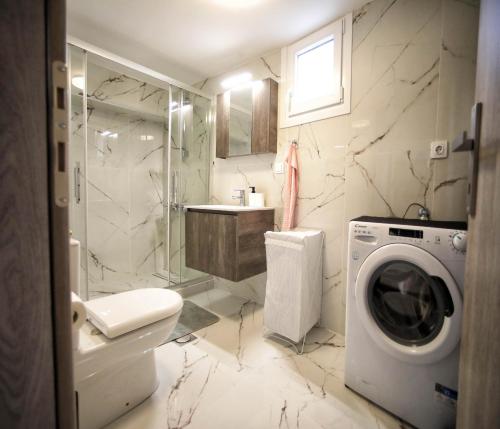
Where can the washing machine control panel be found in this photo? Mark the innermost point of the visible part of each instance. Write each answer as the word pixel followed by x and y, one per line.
pixel 436 240
pixel 365 233
pixel 458 241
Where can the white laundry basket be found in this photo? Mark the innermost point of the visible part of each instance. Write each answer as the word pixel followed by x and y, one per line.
pixel 294 282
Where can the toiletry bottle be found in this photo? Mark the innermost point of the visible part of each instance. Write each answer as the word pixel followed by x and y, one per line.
pixel 255 199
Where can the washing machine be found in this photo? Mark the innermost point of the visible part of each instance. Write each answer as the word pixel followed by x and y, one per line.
pixel 404 311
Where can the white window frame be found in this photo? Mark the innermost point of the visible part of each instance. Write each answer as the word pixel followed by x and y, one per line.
pixel 295 111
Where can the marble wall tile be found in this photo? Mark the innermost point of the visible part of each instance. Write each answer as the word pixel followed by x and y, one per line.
pixel 117 89
pixel 413 72
pixel 77 209
pixel 125 185
pixel 456 94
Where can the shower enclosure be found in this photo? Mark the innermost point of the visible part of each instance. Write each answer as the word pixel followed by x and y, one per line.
pixel 139 150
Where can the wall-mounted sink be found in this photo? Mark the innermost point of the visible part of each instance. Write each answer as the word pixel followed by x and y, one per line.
pixel 225 208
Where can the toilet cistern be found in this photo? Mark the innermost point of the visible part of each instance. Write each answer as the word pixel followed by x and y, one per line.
pixel 240 196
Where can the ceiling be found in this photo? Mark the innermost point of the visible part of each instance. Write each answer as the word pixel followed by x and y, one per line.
pixel 194 39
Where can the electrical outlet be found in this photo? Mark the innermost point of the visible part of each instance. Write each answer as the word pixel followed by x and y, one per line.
pixel 439 149
pixel 279 167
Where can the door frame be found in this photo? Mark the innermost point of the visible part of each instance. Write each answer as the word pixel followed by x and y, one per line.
pixel 479 383
pixel 59 227
pixel 35 314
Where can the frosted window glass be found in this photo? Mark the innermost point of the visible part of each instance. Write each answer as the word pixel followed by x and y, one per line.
pixel 315 71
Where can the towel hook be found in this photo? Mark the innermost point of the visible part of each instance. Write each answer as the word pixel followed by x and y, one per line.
pixel 294 142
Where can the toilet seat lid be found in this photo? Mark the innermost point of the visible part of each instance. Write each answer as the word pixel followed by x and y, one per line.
pixel 124 312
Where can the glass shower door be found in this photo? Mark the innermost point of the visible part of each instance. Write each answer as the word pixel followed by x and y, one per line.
pixel 125 145
pixel 78 158
pixel 139 153
pixel 189 173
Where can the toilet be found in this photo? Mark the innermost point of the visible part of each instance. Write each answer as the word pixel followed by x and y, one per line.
pixel 114 350
pixel 114 363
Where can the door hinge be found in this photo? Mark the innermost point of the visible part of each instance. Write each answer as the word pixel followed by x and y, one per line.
pixel 464 143
pixel 59 104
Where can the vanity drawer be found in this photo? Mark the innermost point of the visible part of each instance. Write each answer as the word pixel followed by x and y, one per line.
pixel 228 245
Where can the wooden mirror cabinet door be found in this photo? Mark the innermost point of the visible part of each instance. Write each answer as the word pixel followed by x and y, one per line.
pixel 264 127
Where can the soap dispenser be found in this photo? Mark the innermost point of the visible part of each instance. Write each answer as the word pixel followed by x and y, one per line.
pixel 255 199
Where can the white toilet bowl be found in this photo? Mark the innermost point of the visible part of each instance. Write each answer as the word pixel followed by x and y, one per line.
pixel 114 363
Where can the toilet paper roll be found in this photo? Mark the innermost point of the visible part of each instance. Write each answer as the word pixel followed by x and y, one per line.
pixel 78 312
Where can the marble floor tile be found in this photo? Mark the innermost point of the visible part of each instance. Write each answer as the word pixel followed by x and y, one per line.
pixel 232 376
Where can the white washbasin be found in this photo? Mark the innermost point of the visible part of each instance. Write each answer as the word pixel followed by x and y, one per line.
pixel 226 207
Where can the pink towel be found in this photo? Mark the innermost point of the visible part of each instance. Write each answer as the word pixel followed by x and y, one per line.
pixel 291 188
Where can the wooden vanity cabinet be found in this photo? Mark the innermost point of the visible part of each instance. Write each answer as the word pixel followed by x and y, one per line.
pixel 227 244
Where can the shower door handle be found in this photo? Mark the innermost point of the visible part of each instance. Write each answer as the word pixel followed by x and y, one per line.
pixel 76 177
pixel 175 191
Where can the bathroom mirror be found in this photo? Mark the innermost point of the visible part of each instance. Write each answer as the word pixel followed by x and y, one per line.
pixel 247 119
pixel 240 121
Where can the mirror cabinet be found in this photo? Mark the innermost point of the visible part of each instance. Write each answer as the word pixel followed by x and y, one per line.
pixel 247 120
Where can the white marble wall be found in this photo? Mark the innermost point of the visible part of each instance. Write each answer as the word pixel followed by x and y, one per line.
pixel 412 82
pixel 125 193
pixel 125 228
pixel 457 70
pixel 77 209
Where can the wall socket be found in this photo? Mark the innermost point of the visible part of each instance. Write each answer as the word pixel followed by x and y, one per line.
pixel 279 167
pixel 439 149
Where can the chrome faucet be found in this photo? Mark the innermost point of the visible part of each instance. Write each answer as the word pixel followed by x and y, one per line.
pixel 240 196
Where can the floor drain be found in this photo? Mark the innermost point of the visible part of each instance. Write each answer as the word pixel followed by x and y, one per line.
pixel 185 339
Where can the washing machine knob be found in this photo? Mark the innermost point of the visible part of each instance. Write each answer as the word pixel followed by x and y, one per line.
pixel 459 241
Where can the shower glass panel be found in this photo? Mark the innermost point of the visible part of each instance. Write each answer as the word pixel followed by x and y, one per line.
pixel 189 172
pixel 135 179
pixel 77 158
pixel 125 142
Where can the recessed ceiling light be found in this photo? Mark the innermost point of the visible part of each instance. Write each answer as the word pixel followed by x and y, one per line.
pixel 78 81
pixel 237 3
pixel 236 80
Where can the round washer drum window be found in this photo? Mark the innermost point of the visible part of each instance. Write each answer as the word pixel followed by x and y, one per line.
pixel 408 305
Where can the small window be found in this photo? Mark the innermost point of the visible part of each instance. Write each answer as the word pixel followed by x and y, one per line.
pixel 316 74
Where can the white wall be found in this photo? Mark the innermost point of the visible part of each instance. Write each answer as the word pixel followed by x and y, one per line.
pixel 413 71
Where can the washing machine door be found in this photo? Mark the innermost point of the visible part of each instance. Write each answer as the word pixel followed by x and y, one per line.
pixel 409 303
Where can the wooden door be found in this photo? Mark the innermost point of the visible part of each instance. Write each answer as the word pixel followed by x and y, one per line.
pixel 36 388
pixel 479 384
